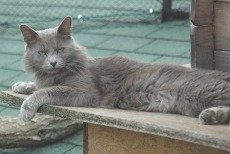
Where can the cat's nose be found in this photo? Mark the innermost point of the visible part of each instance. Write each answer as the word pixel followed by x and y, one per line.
pixel 53 63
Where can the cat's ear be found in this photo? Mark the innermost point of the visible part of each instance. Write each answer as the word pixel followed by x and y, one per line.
pixel 65 28
pixel 28 33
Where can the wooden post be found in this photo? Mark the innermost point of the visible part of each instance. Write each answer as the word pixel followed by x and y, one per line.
pixel 222 34
pixel 202 46
pixel 201 12
pixel 202 40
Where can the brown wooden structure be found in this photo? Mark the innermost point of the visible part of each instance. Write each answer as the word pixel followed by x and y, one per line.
pixel 99 139
pixel 210 34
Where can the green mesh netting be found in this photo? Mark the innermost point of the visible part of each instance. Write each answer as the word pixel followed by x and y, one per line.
pixel 86 13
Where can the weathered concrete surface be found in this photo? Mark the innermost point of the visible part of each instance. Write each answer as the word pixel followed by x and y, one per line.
pixel 168 125
pixel 15 133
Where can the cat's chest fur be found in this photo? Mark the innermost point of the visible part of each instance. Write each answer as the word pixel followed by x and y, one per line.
pixel 49 81
pixel 60 79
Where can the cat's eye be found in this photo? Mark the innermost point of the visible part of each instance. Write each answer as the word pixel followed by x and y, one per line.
pixel 43 52
pixel 60 49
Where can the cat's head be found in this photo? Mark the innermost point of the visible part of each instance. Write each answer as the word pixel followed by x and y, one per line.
pixel 52 50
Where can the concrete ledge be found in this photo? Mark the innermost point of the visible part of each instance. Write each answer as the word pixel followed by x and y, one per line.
pixel 167 125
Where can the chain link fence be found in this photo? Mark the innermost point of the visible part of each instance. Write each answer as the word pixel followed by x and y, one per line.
pixel 88 13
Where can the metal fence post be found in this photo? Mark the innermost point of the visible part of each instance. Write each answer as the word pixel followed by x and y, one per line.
pixel 167 9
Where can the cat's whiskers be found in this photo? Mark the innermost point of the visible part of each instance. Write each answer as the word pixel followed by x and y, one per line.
pixel 33 67
pixel 39 71
pixel 74 69
pixel 69 68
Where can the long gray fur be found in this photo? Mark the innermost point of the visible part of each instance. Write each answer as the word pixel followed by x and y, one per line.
pixel 65 75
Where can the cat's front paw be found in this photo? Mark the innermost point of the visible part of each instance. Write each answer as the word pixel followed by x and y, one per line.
pixel 215 115
pixel 23 87
pixel 27 111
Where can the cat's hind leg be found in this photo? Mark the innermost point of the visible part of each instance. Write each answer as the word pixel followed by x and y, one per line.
pixel 215 115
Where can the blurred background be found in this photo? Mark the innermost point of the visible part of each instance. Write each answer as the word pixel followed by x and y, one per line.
pixel 155 31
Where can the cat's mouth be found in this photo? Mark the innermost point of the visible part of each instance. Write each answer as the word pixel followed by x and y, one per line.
pixel 53 70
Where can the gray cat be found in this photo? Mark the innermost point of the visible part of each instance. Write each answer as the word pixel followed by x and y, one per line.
pixel 64 75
